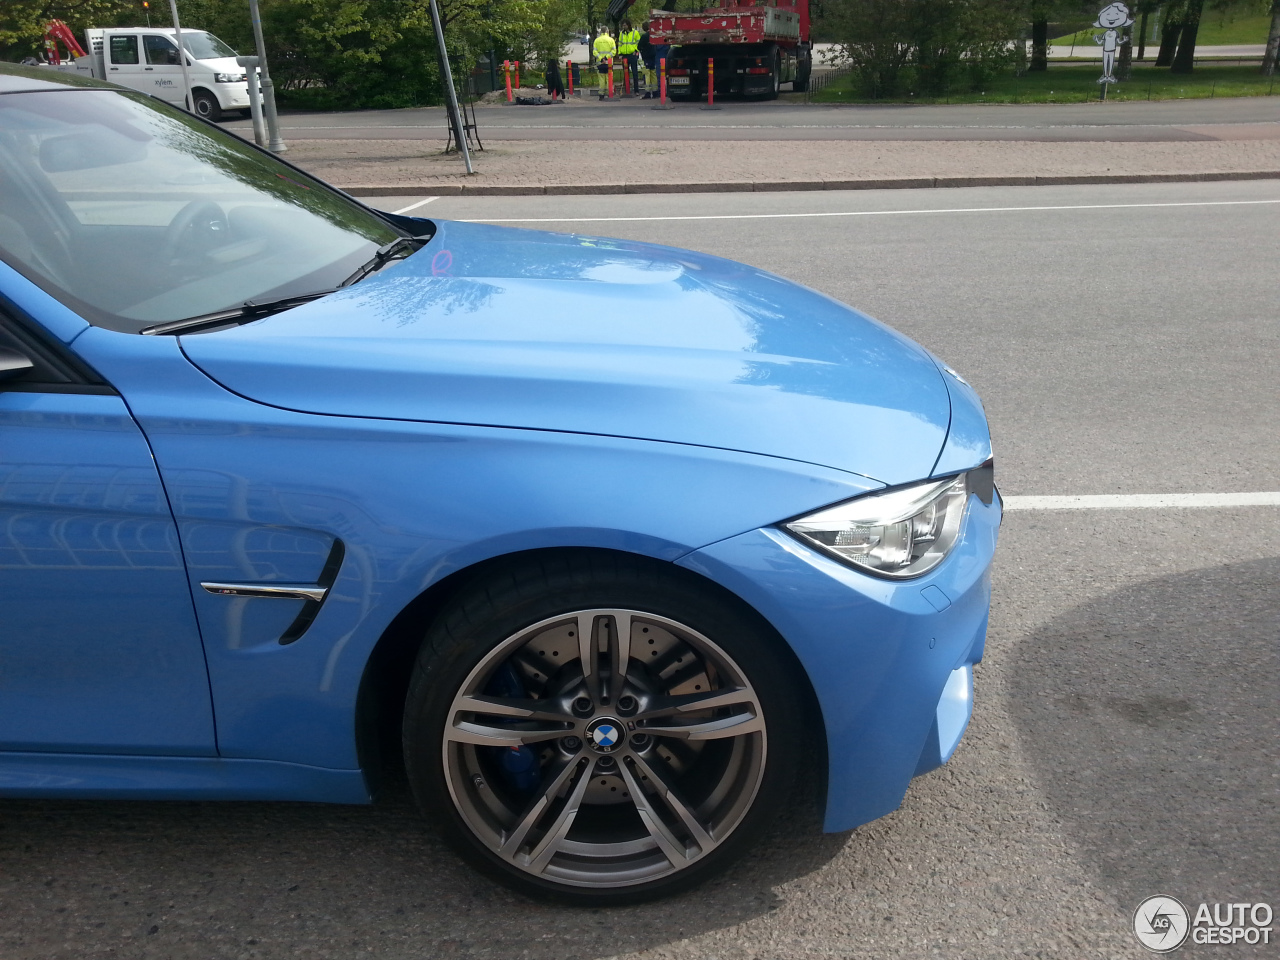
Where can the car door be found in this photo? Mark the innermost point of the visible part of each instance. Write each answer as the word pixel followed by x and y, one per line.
pixel 162 71
pixel 124 62
pixel 99 648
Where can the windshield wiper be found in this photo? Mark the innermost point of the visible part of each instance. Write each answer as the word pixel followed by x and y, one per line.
pixel 245 313
pixel 397 249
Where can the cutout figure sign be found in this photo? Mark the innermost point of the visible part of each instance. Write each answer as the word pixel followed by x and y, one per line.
pixel 1112 18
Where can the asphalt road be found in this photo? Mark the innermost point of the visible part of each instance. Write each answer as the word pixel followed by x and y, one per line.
pixel 1229 119
pixel 1125 740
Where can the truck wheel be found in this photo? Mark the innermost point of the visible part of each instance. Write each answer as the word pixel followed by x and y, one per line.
pixel 804 69
pixel 777 77
pixel 206 105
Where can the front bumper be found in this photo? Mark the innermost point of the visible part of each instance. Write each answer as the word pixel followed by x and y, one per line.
pixel 890 662
pixel 233 96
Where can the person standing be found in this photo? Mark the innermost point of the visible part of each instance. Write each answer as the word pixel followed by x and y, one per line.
pixel 603 50
pixel 628 44
pixel 646 57
pixel 661 51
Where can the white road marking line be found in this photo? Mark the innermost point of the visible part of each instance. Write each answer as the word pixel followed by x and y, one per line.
pixel 1139 501
pixel 414 206
pixel 873 213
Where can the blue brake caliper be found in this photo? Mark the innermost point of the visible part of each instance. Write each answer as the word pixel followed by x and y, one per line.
pixel 519 764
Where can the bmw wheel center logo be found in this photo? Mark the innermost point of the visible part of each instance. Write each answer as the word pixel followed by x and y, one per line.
pixel 605 735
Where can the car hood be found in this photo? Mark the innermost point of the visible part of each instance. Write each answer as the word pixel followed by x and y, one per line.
pixel 504 327
pixel 222 65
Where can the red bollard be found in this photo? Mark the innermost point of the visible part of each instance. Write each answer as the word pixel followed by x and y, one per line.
pixel 517 74
pixel 611 78
pixel 626 77
pixel 506 67
pixel 568 69
pixel 711 85
pixel 662 88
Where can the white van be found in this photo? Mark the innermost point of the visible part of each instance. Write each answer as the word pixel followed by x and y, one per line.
pixel 146 59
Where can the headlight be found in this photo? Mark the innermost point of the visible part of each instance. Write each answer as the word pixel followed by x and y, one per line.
pixel 900 533
pixel 228 77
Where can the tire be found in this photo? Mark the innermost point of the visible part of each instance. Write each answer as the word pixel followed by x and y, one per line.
pixel 804 70
pixel 557 802
pixel 205 105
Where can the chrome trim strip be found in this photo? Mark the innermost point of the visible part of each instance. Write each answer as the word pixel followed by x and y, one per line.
pixel 283 591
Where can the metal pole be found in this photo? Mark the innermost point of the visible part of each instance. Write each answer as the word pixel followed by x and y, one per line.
pixel 182 55
pixel 459 131
pixel 274 143
pixel 250 65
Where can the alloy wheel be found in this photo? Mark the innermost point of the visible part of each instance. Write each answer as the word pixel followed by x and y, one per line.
pixel 604 748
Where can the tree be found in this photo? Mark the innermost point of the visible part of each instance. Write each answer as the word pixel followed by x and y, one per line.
pixel 23 22
pixel 934 44
pixel 1184 59
pixel 1273 41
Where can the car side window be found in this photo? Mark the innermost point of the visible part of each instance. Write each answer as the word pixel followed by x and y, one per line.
pixel 124 49
pixel 160 51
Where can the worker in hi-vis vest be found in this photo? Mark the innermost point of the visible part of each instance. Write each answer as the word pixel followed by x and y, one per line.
pixel 604 48
pixel 628 47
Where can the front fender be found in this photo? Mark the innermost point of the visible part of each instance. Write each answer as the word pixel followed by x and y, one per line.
pixel 260 494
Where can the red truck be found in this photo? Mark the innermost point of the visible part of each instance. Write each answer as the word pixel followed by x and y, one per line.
pixel 757 48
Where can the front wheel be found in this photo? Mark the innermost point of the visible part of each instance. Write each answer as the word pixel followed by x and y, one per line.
pixel 600 731
pixel 206 105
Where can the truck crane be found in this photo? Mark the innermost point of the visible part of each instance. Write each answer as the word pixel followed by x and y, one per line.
pixel 56 33
pixel 757 46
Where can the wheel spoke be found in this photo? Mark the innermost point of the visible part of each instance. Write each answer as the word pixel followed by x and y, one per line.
pixel 668 843
pixel 717 729
pixel 507 707
pixel 672 799
pixel 588 655
pixel 541 855
pixel 491 735
pixel 692 702
pixel 514 838
pixel 619 651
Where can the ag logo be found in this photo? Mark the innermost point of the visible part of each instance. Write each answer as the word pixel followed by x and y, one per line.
pixel 1161 924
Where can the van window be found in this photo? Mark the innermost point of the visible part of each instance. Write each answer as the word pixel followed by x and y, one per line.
pixel 160 51
pixel 124 49
pixel 205 46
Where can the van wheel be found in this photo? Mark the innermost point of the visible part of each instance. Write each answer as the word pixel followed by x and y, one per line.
pixel 206 105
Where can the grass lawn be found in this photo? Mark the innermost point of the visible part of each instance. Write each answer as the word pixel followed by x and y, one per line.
pixel 1214 31
pixel 1074 83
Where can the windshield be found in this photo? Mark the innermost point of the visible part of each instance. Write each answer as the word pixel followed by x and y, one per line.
pixel 205 46
pixel 134 213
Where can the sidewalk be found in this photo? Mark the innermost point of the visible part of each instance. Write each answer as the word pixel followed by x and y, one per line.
pixel 511 167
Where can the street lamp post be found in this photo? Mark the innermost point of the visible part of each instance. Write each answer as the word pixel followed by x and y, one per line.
pixel 182 55
pixel 451 104
pixel 274 143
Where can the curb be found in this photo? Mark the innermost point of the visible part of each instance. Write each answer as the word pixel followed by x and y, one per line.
pixel 776 186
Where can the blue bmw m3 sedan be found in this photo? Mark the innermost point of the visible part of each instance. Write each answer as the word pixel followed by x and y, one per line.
pixel 597 538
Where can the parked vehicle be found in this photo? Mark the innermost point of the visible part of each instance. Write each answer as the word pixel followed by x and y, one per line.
pixel 608 541
pixel 757 47
pixel 146 59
